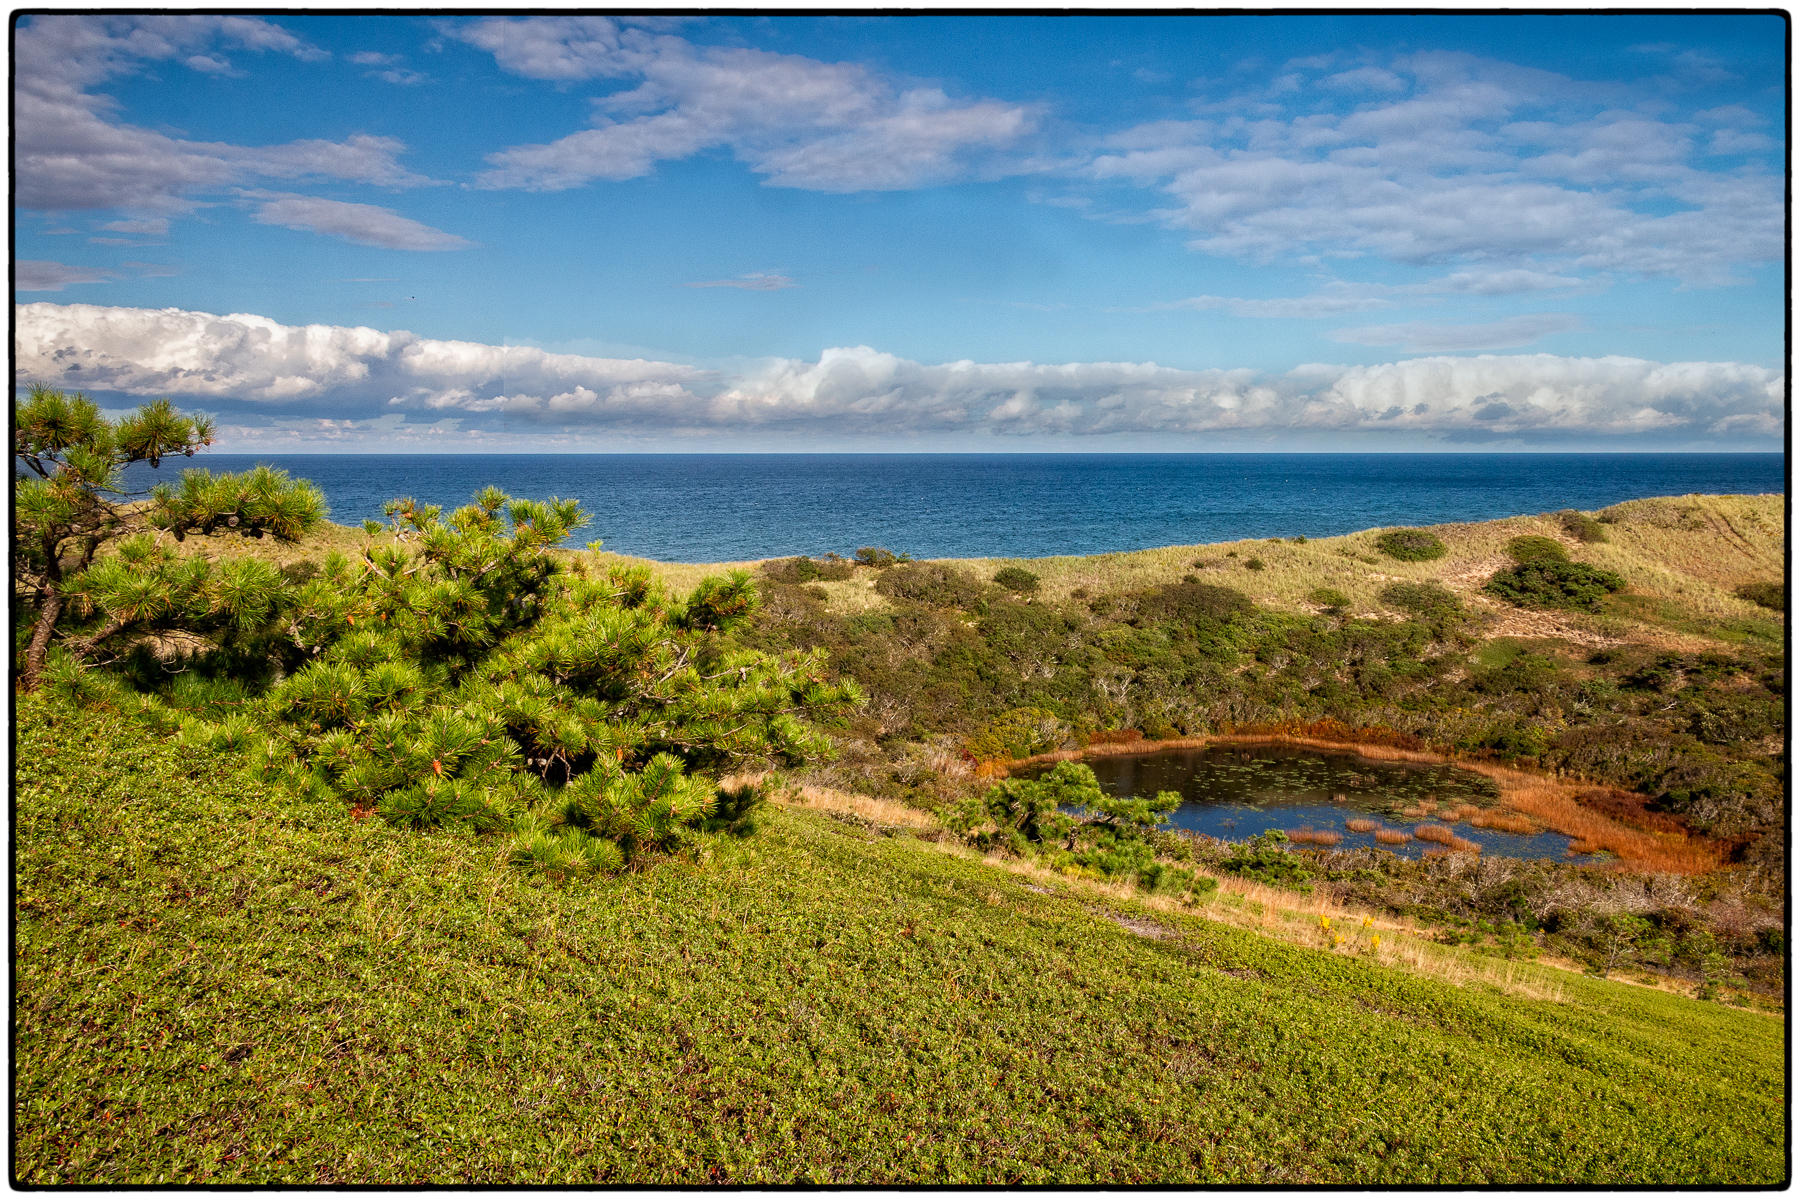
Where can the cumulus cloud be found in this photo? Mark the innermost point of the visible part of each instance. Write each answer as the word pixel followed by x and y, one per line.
pixel 365 224
pixel 247 358
pixel 252 367
pixel 70 151
pixel 1444 158
pixel 799 122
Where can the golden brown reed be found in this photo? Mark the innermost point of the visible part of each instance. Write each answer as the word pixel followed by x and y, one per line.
pixel 1362 825
pixel 1442 834
pixel 1392 837
pixel 1506 823
pixel 1315 837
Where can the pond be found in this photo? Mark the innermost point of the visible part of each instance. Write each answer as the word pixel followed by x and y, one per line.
pixel 1237 792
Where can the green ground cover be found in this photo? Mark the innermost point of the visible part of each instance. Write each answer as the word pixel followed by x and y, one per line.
pixel 218 982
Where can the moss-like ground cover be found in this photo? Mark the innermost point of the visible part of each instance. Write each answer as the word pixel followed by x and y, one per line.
pixel 218 982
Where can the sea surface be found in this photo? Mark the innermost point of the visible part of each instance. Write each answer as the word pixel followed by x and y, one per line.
pixel 725 507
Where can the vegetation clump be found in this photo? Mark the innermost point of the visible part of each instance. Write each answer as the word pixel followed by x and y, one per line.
pixel 936 585
pixel 1067 819
pixel 825 569
pixel 1581 527
pixel 1016 579
pixel 1330 599
pixel 1548 583
pixel 1430 600
pixel 1536 548
pixel 1411 545
pixel 1770 594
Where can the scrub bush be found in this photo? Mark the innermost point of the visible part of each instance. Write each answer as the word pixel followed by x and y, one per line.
pixel 1581 527
pixel 1549 584
pixel 1016 579
pixel 1411 545
pixel 1536 548
pixel 937 585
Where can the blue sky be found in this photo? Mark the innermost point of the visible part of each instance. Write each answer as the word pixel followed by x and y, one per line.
pixel 1172 232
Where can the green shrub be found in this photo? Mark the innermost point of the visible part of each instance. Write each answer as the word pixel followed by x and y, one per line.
pixel 1771 594
pixel 939 585
pixel 828 568
pixel 1016 579
pixel 1265 858
pixel 1411 545
pixel 1255 564
pixel 1330 599
pixel 875 556
pixel 1019 733
pixel 1552 584
pixel 1536 548
pixel 1581 527
pixel 1427 599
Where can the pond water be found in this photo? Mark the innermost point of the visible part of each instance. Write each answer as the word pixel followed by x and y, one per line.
pixel 1237 792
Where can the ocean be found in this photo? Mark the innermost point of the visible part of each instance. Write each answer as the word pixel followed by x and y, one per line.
pixel 716 508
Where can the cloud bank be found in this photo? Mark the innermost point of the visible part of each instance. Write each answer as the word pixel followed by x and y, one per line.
pixel 256 370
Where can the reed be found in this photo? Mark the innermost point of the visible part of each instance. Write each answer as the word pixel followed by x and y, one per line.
pixel 1392 837
pixel 1315 837
pixel 1441 834
pixel 1362 825
pixel 1506 823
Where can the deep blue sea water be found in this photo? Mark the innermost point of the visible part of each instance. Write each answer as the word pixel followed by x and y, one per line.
pixel 713 508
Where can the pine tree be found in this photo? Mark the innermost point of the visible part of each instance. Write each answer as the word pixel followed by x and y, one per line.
pixel 69 502
pixel 465 671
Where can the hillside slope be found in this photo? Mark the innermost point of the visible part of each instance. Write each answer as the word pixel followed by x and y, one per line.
pixel 217 983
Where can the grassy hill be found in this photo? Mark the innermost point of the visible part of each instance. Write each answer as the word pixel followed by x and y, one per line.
pixel 219 983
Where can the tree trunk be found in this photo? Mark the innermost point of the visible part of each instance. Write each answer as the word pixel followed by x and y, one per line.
pixel 39 648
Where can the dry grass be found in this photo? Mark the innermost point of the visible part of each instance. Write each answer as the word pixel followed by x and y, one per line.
pixel 1556 804
pixel 870 808
pixel 1362 824
pixel 1392 837
pixel 1314 837
pixel 1506 823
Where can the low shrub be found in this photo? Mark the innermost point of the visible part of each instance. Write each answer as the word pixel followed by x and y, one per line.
pixel 1016 579
pixel 875 556
pixel 1581 527
pixel 1551 584
pixel 807 570
pixel 1330 599
pixel 1536 548
pixel 1411 545
pixel 1422 599
pixel 1771 594
pixel 1255 564
pixel 938 585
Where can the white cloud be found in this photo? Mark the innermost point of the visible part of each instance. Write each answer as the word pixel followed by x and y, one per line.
pixel 37 275
pixel 835 127
pixel 71 152
pixel 757 281
pixel 365 224
pixel 250 364
pixel 1480 163
pixel 249 358
pixel 1427 337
